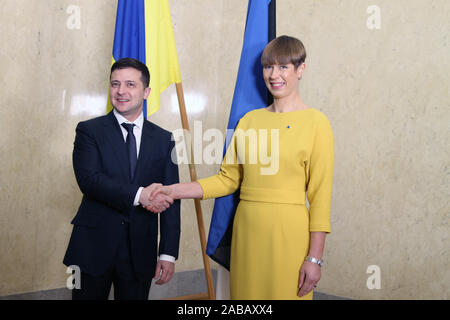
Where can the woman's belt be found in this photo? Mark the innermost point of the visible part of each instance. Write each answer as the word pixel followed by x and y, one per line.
pixel 291 196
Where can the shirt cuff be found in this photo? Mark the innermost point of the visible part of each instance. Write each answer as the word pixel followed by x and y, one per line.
pixel 138 195
pixel 166 257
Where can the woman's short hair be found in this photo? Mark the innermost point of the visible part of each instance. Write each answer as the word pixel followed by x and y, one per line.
pixel 284 50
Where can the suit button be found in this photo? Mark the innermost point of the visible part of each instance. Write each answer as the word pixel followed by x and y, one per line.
pixel 123 222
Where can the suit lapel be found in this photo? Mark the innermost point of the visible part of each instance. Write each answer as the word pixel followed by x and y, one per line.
pixel 113 136
pixel 146 150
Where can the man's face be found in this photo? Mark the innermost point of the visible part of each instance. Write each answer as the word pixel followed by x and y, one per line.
pixel 127 92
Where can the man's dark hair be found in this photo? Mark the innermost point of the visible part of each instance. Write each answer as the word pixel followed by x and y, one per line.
pixel 124 63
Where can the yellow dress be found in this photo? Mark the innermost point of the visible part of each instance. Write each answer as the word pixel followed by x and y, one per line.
pixel 275 159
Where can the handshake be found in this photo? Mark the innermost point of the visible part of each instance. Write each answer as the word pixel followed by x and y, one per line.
pixel 156 198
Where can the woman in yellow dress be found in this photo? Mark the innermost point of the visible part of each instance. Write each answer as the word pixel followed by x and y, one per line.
pixel 277 242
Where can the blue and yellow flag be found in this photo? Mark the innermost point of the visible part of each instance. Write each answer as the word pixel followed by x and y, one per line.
pixel 144 32
pixel 250 93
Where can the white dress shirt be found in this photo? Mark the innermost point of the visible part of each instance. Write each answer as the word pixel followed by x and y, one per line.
pixel 137 131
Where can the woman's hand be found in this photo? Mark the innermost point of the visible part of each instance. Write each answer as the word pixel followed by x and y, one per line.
pixel 310 274
pixel 170 193
pixel 154 199
pixel 166 190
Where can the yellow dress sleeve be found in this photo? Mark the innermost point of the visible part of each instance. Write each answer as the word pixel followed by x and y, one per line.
pixel 228 180
pixel 320 178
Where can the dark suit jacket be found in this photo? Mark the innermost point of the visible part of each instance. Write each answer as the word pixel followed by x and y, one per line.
pixel 101 168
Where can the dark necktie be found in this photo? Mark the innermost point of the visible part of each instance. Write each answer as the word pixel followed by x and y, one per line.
pixel 131 146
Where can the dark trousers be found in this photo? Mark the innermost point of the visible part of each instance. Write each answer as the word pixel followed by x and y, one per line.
pixel 120 275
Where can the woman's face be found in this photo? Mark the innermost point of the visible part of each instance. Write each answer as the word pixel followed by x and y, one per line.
pixel 282 79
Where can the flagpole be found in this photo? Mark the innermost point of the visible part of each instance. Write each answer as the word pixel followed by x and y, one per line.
pixel 272 34
pixel 198 208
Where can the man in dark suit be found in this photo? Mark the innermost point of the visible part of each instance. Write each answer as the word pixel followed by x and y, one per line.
pixel 114 239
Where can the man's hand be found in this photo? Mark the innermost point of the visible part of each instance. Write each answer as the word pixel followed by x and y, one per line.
pixel 159 203
pixel 164 271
